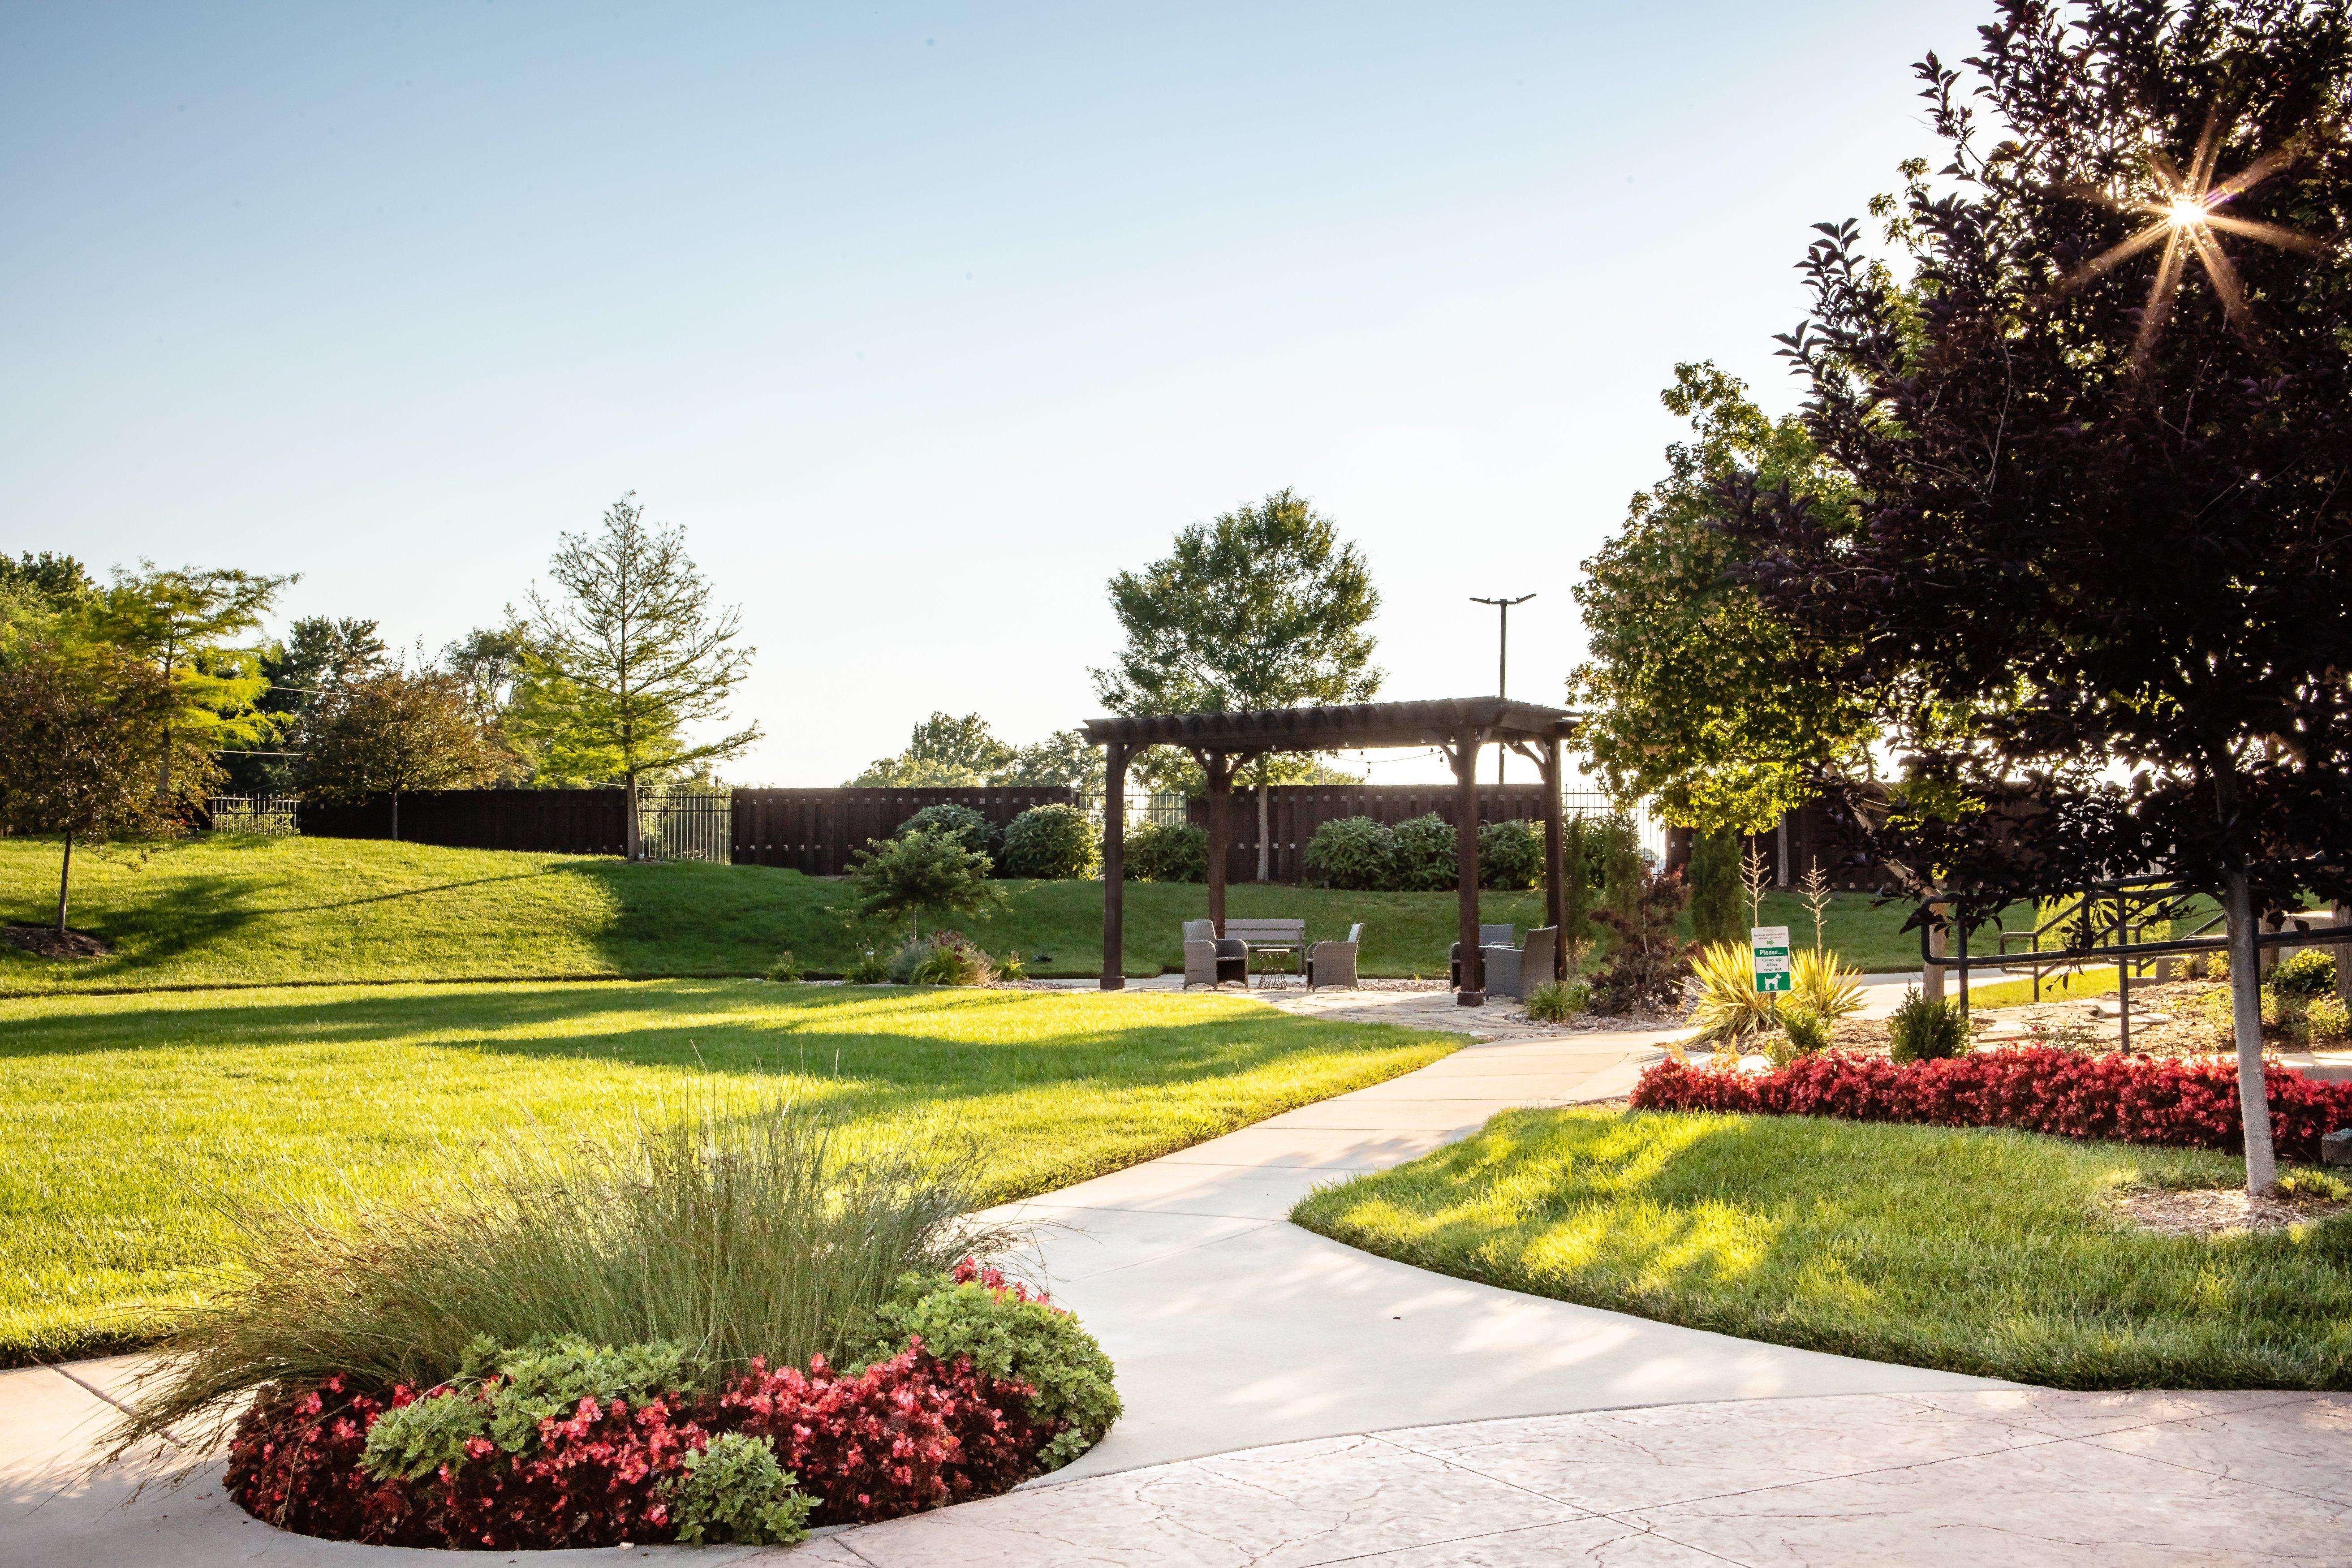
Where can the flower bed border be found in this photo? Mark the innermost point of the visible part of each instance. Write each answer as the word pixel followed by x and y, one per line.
pixel 2191 1103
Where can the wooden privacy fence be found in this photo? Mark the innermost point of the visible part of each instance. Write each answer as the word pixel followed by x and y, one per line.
pixel 553 821
pixel 1295 811
pixel 816 830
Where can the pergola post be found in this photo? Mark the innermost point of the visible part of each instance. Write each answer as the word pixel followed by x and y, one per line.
pixel 1555 854
pixel 1219 767
pixel 1473 991
pixel 1114 866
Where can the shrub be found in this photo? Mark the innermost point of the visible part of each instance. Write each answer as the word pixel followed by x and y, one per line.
pixel 2310 973
pixel 1729 1006
pixel 733 1490
pixel 1012 1336
pixel 1923 1031
pixel 2217 965
pixel 868 968
pixel 1426 855
pixel 1013 966
pixel 294 1462
pixel 1558 1001
pixel 1804 1033
pixel 918 874
pixel 785 968
pixel 1647 960
pixel 1510 856
pixel 942 958
pixel 1051 844
pixel 1167 852
pixel 1715 904
pixel 1353 852
pixel 610 1241
pixel 960 823
pixel 2185 1102
pixel 2328 1019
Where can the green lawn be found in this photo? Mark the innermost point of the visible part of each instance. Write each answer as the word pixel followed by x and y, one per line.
pixel 247 911
pixel 127 1122
pixel 1985 1252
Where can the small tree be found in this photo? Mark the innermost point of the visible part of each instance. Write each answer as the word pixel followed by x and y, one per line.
pixel 1263 607
pixel 81 731
pixel 182 623
pixel 630 657
pixel 920 873
pixel 394 732
pixel 1715 906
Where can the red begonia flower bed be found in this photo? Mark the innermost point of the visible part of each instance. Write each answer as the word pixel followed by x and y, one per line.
pixel 908 1433
pixel 2187 1103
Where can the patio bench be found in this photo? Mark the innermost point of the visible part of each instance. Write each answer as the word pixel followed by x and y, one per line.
pixel 1281 936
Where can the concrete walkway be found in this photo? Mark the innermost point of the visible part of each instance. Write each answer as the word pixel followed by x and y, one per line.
pixel 1232 1328
pixel 2022 1477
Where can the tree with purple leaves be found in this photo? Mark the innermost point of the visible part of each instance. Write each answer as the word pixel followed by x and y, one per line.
pixel 2097 569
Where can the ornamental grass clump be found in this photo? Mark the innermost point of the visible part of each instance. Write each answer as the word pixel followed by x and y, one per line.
pixel 1558 1001
pixel 737 1235
pixel 1730 1008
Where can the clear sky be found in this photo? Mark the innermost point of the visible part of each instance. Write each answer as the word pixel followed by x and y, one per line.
pixel 921 321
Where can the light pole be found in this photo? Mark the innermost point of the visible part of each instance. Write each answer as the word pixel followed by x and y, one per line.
pixel 1502 665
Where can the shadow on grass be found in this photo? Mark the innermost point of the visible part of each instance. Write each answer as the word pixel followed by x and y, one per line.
pixel 892 1038
pixel 1989 1252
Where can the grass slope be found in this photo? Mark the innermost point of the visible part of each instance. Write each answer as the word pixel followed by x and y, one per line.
pixel 1979 1252
pixel 128 1123
pixel 250 910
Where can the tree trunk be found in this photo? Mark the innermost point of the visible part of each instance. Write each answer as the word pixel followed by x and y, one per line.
pixel 65 884
pixel 395 816
pixel 632 845
pixel 1264 850
pixel 2246 990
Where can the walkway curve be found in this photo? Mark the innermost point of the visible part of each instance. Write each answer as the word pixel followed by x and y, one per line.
pixel 1233 1328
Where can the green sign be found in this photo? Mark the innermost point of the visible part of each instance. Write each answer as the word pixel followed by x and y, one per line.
pixel 1772 946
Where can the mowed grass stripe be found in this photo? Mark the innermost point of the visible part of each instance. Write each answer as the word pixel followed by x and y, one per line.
pixel 128 1124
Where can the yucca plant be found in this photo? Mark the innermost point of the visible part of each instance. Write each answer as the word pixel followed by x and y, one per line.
pixel 1823 986
pixel 735 1234
pixel 1729 1006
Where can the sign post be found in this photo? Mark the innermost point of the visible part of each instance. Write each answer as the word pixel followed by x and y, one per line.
pixel 1770 945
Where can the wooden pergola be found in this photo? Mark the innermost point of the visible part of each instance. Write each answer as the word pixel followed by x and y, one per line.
pixel 1458 726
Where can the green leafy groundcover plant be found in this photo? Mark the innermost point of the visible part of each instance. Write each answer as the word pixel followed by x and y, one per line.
pixel 974 1384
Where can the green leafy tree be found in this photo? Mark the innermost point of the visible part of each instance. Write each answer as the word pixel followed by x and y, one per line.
pixel 1262 607
pixel 80 732
pixel 317 654
pixel 619 667
pixel 944 752
pixel 1065 757
pixel 392 732
pixel 1687 676
pixel 489 661
pixel 184 622
pixel 917 874
pixel 37 593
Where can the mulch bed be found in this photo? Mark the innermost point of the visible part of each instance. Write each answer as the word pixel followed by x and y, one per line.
pixel 2219 1211
pixel 49 942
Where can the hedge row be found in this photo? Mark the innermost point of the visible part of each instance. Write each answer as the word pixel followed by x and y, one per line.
pixel 2036 1089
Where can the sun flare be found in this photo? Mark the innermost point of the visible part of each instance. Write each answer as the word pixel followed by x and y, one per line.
pixel 2188 213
